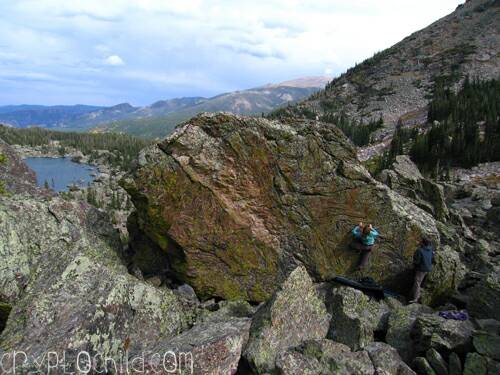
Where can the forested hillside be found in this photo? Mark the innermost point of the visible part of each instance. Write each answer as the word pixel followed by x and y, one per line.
pixel 125 148
pixel 463 128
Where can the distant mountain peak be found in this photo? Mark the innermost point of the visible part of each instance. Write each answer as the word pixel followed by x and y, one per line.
pixel 307 82
pixel 303 82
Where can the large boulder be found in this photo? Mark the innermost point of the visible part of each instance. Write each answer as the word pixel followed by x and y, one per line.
pixel 405 178
pixel 237 202
pixel 294 314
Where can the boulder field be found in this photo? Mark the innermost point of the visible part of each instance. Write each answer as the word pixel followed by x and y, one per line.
pixel 68 287
pixel 236 203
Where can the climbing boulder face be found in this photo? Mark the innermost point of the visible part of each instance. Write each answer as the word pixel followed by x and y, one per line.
pixel 66 286
pixel 237 202
pixel 293 315
pixel 405 178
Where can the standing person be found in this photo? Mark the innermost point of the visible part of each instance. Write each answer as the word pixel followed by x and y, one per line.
pixel 364 240
pixel 422 261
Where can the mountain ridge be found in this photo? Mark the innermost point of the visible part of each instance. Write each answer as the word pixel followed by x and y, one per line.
pixel 396 83
pixel 249 101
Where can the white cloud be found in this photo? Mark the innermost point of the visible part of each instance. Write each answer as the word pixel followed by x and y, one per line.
pixel 199 47
pixel 114 60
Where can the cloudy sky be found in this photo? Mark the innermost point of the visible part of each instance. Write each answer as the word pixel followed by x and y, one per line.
pixel 110 51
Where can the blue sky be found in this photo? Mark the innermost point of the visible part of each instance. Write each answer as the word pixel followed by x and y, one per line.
pixel 111 51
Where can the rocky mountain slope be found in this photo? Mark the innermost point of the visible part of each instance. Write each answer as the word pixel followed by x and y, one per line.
pixel 395 83
pixel 171 112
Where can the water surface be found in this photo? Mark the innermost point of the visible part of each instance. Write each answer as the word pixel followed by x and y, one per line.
pixel 59 173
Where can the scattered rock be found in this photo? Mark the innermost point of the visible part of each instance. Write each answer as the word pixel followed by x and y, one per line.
pixel 487 344
pixel 155 281
pixel 436 361
pixel 324 357
pixel 355 317
pixel 187 292
pixel 386 359
pixel 294 314
pixel 432 331
pixel 454 364
pixel 405 178
pixel 475 364
pixel 422 367
pixel 400 325
pixel 208 348
pixel 482 296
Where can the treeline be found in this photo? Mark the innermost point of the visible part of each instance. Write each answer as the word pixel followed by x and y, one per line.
pixel 359 133
pixel 123 148
pixel 463 128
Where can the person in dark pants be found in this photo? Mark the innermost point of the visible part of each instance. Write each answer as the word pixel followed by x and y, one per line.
pixel 422 261
pixel 364 240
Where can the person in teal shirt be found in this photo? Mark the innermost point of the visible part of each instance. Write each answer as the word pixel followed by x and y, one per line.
pixel 364 240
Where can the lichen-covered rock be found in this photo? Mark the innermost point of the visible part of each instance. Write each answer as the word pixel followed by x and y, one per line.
pixel 63 274
pixel 324 357
pixel 436 361
pixel 454 364
pixel 400 325
pixel 355 317
pixel 293 362
pixel 483 296
pixel 422 367
pixel 294 314
pixel 386 359
pixel 446 275
pixel 208 348
pixel 475 364
pixel 433 331
pixel 487 344
pixel 405 178
pixel 237 202
pixel 15 176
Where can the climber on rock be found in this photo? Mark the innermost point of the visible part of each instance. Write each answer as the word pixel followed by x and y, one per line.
pixel 364 240
pixel 422 261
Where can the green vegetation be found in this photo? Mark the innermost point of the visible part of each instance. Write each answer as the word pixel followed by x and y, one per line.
pixel 463 129
pixel 123 148
pixel 148 127
pixel 3 158
pixel 358 133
